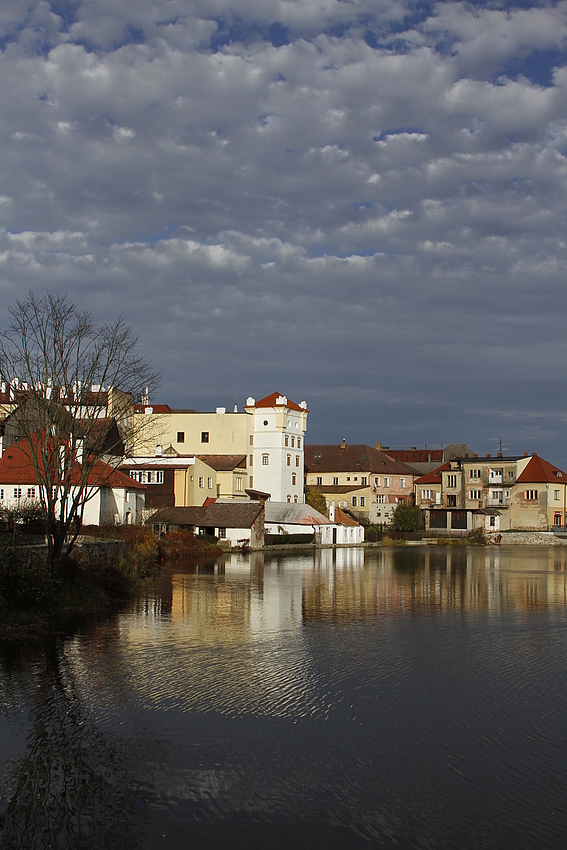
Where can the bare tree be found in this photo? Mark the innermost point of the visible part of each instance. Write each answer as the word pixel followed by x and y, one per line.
pixel 73 385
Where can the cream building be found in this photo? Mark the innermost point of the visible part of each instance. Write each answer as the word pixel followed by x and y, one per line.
pixel 265 441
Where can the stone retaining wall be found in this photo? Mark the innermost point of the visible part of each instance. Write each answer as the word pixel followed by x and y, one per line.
pixel 525 538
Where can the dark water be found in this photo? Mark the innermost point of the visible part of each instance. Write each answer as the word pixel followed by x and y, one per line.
pixel 397 698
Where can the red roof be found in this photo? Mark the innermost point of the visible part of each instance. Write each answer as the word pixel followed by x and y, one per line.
pixel 434 477
pixel 416 455
pixel 270 401
pixel 344 519
pixel 16 468
pixel 539 470
pixel 156 408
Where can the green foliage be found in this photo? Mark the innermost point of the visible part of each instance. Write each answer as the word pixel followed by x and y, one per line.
pixel 315 498
pixel 406 518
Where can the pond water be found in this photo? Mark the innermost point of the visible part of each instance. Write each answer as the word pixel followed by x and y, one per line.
pixel 405 697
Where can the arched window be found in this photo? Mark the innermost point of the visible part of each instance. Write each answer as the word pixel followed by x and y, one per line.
pixel 293 478
pixel 289 498
pixel 289 460
pixel 295 499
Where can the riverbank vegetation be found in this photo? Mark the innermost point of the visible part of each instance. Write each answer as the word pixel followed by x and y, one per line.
pixel 93 577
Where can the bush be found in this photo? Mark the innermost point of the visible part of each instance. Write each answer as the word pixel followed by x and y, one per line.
pixel 406 518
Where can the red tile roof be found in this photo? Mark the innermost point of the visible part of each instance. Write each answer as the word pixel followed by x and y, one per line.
pixel 434 477
pixel 539 470
pixel 355 458
pixel 344 519
pixel 270 401
pixel 16 468
pixel 416 455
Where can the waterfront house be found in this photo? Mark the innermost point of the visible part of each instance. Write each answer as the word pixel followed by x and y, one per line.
pixel 240 524
pixel 340 465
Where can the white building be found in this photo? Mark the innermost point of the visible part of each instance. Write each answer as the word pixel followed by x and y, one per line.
pixel 278 443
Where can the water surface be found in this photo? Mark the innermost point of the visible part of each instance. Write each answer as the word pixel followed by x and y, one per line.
pixel 411 697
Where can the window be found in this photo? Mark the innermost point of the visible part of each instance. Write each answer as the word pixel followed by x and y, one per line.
pixel 289 498
pixel 386 482
pixel 251 439
pixel 354 501
pixel 239 484
pixel 335 481
pixel 251 481
pixel 293 442
pixel 380 498
pixel 289 460
pixel 31 493
pixel 17 492
pixel 181 436
pixel 319 479
pixel 474 494
pixel 363 501
pixel 451 501
pixel 531 495
pixel 402 483
pixel 209 483
pixel 293 478
pixel 201 481
pixel 377 482
pixel 556 495
pixel 265 460
pixel 557 519
pixel 1 493
pixel 222 533
pixel 510 473
pixel 363 480
pixel 251 460
pixel 295 499
pixel 493 522
pixel 286 440
pixel 451 481
pixel 297 460
pixel 299 442
pixel 159 476
pixel 204 436
pixel 348 478
pixel 427 494
pixel 474 473
pixel 355 478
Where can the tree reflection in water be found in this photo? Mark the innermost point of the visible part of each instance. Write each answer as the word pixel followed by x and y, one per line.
pixel 73 787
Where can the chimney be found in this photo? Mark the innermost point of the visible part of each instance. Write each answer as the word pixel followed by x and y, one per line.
pixel 429 457
pixel 525 454
pixel 488 455
pixel 159 451
pixel 534 454
pixel 499 454
pixel 332 511
pixel 343 444
pixel 475 454
pixel 413 448
pixel 378 447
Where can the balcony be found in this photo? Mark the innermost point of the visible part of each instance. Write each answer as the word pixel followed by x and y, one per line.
pixel 495 478
pixel 498 503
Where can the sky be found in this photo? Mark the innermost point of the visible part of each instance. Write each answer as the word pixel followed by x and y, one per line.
pixel 357 203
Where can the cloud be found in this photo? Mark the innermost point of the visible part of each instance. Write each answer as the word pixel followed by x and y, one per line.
pixel 359 202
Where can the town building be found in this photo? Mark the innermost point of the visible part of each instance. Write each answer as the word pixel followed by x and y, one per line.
pixel 493 493
pixel 240 524
pixel 383 482
pixel 267 437
pixel 110 496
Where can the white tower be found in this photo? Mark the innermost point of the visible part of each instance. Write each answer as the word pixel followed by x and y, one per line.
pixel 278 435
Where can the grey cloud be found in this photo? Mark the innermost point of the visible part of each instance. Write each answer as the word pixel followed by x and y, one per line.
pixel 367 227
